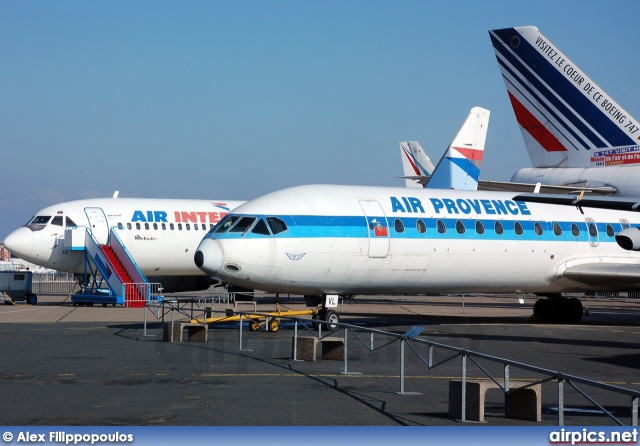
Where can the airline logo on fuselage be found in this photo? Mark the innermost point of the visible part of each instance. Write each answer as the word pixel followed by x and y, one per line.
pixel 460 206
pixel 178 217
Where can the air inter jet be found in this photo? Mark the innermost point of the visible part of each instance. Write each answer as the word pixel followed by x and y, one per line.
pixel 459 167
pixel 160 234
pixel 329 240
pixel 577 136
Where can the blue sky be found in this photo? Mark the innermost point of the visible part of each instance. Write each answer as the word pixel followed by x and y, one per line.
pixel 231 100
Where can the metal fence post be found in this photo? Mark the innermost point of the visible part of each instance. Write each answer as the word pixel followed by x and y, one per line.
pixel 560 402
pixel 506 378
pixel 295 341
pixel 634 411
pixel 464 387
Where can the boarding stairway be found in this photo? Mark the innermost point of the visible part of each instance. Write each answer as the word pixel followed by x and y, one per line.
pixel 111 275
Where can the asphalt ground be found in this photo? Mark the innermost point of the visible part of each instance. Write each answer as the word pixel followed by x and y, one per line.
pixel 67 365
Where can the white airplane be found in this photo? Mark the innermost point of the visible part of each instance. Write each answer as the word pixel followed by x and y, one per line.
pixel 459 167
pixel 160 234
pixel 576 135
pixel 328 240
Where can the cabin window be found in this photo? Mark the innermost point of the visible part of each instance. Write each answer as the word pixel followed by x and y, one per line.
pixel 517 228
pixel 498 228
pixel 204 227
pixel 441 227
pixel 187 227
pixel 243 224
pixel 211 226
pixel 138 226
pixel 261 228
pixel 479 227
pixel 195 226
pixel 276 225
pixel 129 226
pixel 398 226
pixel 557 230
pixel 593 231
pixel 537 228
pixel 610 231
pixel 226 223
pixel 146 226
pixel 421 227
pixel 460 227
pixel 164 226
pixel 171 226
pixel 155 226
pixel 57 220
pixel 179 226
pixel 41 220
pixel 575 230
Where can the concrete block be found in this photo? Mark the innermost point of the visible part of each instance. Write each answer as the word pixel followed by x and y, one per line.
pixel 332 348
pixel 475 396
pixel 195 332
pixel 177 332
pixel 306 348
pixel 524 404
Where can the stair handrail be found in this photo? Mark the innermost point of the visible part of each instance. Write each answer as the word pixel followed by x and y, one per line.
pixel 139 276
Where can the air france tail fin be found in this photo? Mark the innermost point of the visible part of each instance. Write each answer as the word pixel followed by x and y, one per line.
pixel 459 167
pixel 566 119
pixel 416 164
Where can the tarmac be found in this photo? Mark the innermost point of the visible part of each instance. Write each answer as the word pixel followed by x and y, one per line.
pixel 78 365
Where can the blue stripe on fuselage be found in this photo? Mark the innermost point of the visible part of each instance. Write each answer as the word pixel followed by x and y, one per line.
pixel 311 226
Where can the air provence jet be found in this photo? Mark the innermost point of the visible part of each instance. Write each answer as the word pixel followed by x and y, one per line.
pixel 160 234
pixel 329 240
pixel 459 167
pixel 577 136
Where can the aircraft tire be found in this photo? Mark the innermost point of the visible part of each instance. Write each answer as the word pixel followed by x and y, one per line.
pixel 333 318
pixel 542 310
pixel 574 310
pixel 31 299
pixel 315 324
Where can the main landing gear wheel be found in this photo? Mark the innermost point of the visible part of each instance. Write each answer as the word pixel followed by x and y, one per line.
pixel 560 310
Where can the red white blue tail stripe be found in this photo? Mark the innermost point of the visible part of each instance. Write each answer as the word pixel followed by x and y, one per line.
pixel 566 119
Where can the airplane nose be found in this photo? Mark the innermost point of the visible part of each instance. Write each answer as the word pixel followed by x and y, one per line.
pixel 209 256
pixel 20 243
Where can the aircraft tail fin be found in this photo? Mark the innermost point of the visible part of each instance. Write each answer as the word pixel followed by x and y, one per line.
pixel 416 164
pixel 459 167
pixel 566 119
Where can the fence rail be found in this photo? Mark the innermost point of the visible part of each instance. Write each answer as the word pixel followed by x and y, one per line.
pixel 52 283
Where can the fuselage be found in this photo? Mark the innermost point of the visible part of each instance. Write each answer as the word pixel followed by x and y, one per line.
pixel 326 239
pixel 160 234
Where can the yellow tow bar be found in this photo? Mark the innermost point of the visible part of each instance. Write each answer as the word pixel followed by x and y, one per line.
pixel 256 321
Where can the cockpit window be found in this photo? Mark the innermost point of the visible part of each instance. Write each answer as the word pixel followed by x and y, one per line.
pixel 243 224
pixel 261 228
pixel 57 220
pixel 40 220
pixel 226 223
pixel 72 223
pixel 276 225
